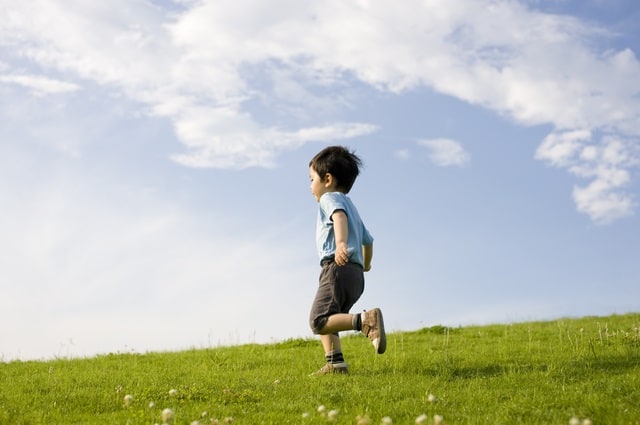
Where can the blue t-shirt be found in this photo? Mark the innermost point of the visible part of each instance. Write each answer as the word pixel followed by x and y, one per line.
pixel 357 236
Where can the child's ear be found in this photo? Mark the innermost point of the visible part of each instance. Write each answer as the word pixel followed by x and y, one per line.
pixel 328 180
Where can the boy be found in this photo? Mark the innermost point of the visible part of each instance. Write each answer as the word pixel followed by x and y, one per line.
pixel 345 247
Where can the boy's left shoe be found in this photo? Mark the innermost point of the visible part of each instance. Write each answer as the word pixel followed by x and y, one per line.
pixel 331 368
pixel 373 328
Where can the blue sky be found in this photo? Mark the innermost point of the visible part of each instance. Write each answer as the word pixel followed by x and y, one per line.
pixel 154 156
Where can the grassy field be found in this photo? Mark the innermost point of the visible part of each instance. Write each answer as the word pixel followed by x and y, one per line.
pixel 559 372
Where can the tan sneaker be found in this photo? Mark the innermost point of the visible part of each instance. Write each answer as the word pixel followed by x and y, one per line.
pixel 331 368
pixel 373 328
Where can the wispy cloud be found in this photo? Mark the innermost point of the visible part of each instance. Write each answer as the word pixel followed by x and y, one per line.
pixel 402 154
pixel 605 163
pixel 192 62
pixel 39 85
pixel 446 152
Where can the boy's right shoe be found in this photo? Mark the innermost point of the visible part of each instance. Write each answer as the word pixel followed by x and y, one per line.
pixel 373 328
pixel 330 368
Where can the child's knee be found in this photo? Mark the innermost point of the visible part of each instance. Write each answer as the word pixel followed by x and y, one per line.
pixel 317 324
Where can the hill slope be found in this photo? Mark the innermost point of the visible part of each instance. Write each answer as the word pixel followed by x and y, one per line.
pixel 525 373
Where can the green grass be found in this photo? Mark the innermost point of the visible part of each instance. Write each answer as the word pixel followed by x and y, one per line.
pixel 526 373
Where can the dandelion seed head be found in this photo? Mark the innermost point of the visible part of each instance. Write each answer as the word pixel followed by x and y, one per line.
pixel 128 400
pixel 386 421
pixel 421 420
pixel 167 415
pixel 438 420
pixel 574 421
pixel 173 392
pixel 587 421
pixel 151 405
pixel 363 420
pixel 332 415
pixel 431 398
pixel 322 409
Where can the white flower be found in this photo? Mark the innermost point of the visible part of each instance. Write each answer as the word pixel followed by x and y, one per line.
pixel 574 421
pixel 173 392
pixel 386 421
pixel 587 421
pixel 322 409
pixel 276 382
pixel 421 420
pixel 128 399
pixel 332 415
pixel 167 415
pixel 305 415
pixel 438 420
pixel 431 398
pixel 228 420
pixel 151 405
pixel 363 420
pixel 195 423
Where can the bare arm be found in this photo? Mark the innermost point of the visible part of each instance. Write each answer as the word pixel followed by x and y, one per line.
pixel 367 255
pixel 341 233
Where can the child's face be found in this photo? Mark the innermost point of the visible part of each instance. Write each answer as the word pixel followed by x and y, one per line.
pixel 319 186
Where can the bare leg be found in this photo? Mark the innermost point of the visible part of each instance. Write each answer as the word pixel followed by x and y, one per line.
pixel 329 334
pixel 338 322
pixel 330 343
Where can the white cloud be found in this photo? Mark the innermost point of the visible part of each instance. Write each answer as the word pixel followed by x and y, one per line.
pixel 40 85
pixel 604 198
pixel 241 147
pixel 190 64
pixel 605 163
pixel 446 152
pixel 559 149
pixel 601 201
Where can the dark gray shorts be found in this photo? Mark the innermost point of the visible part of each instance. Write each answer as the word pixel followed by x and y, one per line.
pixel 339 289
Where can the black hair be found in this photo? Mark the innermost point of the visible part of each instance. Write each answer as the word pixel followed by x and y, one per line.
pixel 340 162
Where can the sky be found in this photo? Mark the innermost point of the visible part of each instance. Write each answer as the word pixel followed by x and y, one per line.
pixel 154 181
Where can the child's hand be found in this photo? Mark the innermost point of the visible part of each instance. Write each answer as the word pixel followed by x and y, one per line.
pixel 342 254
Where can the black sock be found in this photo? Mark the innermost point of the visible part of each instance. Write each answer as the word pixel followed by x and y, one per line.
pixel 334 357
pixel 357 322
